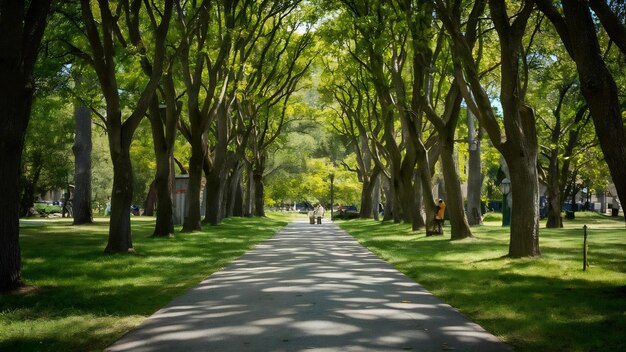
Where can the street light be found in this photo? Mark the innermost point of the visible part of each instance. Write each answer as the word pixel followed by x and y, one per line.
pixel 505 188
pixel 331 176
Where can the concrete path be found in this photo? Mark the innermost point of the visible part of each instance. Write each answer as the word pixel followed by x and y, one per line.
pixel 309 288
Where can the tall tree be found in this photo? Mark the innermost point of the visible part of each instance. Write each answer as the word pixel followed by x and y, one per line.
pixel 360 127
pixel 22 25
pixel 230 133
pixel 446 128
pixel 577 29
pixel 82 212
pixel 207 44
pixel 105 38
pixel 164 122
pixel 518 144
pixel 369 44
pixel 474 173
pixel 278 66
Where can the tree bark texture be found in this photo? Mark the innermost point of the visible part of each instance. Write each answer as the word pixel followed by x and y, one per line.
pixel 599 89
pixel 164 226
pixel 521 146
pixel 103 41
pixel 215 186
pixel 554 194
pixel 192 221
pixel 150 203
pixel 22 28
pixel 419 199
pixel 236 198
pixel 164 124
pixel 259 192
pixel 367 191
pixel 388 192
pixel 555 220
pixel 524 240
pixel 82 210
pixel 376 197
pixel 248 199
pixel 474 174
pixel 459 228
pixel 121 198
pixel 428 199
pixel 28 186
pixel 10 255
pixel 218 169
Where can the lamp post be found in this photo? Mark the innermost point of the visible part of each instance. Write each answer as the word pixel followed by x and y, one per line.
pixel 505 187
pixel 331 176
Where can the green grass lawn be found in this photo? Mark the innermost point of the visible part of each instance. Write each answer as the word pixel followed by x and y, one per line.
pixel 540 304
pixel 83 300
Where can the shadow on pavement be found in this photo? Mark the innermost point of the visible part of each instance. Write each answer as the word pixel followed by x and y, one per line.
pixel 313 288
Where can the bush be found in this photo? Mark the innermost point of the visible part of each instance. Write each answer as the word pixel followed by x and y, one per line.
pixel 46 208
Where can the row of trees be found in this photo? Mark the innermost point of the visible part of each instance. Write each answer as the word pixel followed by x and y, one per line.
pixel 403 71
pixel 223 76
pixel 219 72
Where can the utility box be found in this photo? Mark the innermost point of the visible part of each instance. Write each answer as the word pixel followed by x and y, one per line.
pixel 181 184
pixel 179 208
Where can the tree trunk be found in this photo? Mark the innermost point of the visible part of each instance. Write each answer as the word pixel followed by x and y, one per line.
pixel 238 198
pixel 198 151
pixel 554 195
pixel 214 196
pixel 248 205
pixel 459 228
pixel 376 197
pixel 524 240
pixel 10 146
pixel 521 146
pixel 600 91
pixel 164 226
pixel 406 198
pixel 367 190
pixel 82 210
pixel 388 191
pixel 367 187
pixel 28 188
pixel 151 199
pixel 234 196
pixel 19 45
pixel 474 174
pixel 428 199
pixel 418 194
pixel 163 123
pixel 121 199
pixel 259 193
pixel 81 206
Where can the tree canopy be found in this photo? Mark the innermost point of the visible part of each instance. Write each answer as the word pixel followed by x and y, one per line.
pixel 393 104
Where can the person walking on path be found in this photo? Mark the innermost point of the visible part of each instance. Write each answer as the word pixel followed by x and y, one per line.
pixel 319 213
pixel 311 217
pixel 439 215
pixel 308 289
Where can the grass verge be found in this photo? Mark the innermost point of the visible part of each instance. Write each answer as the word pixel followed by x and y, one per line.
pixel 83 300
pixel 533 304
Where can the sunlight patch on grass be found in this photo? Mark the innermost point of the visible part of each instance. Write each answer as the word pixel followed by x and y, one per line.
pixel 85 300
pixel 532 303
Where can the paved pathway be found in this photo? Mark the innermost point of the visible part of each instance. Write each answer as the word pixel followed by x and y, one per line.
pixel 309 288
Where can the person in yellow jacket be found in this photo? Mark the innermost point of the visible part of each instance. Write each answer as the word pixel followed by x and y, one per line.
pixel 439 214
